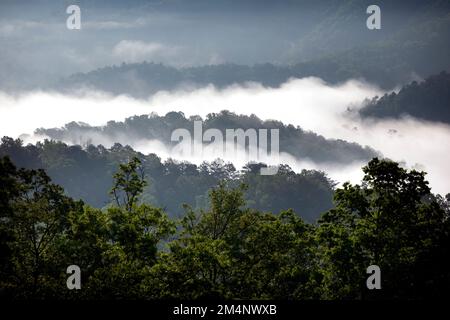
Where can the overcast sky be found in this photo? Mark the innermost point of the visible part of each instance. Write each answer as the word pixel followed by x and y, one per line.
pixel 36 46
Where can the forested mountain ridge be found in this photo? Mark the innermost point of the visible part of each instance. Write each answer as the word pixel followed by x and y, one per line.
pixel 299 143
pixel 87 174
pixel 427 100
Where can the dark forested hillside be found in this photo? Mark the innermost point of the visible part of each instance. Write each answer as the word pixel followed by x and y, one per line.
pixel 427 100
pixel 293 140
pixel 87 174
pixel 134 250
pixel 143 79
pixel 84 167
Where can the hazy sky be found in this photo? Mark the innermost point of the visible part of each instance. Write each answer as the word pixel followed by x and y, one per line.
pixel 37 48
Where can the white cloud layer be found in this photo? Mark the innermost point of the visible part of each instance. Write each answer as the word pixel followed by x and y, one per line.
pixel 310 103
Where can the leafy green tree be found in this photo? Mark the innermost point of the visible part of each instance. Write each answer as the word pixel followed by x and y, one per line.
pixel 132 233
pixel 200 259
pixel 392 221
pixel 10 190
pixel 37 215
pixel 276 259
pixel 129 183
pixel 231 251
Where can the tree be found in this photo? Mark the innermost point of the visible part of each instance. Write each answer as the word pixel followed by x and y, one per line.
pixel 10 190
pixel 392 221
pixel 133 233
pixel 200 259
pixel 36 214
pixel 129 183
pixel 231 251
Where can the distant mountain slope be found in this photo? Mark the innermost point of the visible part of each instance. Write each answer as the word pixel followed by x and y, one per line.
pixel 418 51
pixel 396 54
pixel 143 79
pixel 303 145
pixel 427 100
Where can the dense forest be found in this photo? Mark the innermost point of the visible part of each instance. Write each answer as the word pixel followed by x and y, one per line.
pixel 86 173
pixel 427 100
pixel 297 142
pixel 132 249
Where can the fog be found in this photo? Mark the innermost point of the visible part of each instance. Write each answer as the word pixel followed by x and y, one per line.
pixel 38 49
pixel 312 104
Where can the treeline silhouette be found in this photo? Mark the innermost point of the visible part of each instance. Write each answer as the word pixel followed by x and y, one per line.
pixel 294 140
pixel 427 100
pixel 86 173
pixel 133 250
